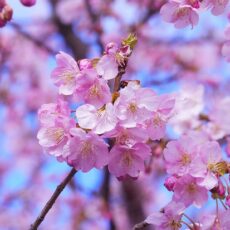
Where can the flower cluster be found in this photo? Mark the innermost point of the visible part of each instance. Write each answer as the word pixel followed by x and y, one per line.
pixel 183 13
pixel 113 122
pixel 195 166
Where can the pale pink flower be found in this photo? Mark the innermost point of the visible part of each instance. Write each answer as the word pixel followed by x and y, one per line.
pixel 133 109
pixel 49 113
pixel 206 165
pixel 64 75
pixel 187 191
pixel 127 137
pixel 53 139
pixel 99 120
pixel 128 160
pixel 169 219
pixel 181 15
pixel 87 150
pixel 107 67
pixel 179 155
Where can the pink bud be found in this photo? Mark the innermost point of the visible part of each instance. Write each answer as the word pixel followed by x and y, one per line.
pixel 2 20
pixel 85 64
pixel 111 48
pixel 227 202
pixel 7 12
pixel 2 4
pixel 170 182
pixel 28 2
pixel 219 189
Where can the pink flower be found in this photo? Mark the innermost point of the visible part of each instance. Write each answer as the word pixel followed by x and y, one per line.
pixel 187 191
pixel 87 150
pixel 49 113
pixel 53 139
pixel 56 123
pixel 169 219
pixel 107 67
pixel 91 89
pixel 64 75
pixel 179 155
pixel 156 125
pixel 180 14
pixel 99 120
pixel 208 164
pixel 128 160
pixel 127 137
pixel 131 109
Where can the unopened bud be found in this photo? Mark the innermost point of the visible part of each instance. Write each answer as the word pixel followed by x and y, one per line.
pixel 227 202
pixel 170 182
pixel 86 63
pixel 28 2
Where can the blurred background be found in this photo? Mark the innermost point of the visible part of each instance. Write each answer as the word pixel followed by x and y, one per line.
pixel 186 61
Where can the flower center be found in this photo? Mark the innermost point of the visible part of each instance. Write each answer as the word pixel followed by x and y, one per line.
pixel 86 148
pixel 132 107
pixel 185 159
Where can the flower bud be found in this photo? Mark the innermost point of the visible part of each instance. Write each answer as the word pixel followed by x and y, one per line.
pixel 111 48
pixel 7 12
pixel 170 182
pixel 227 201
pixel 28 2
pixel 85 64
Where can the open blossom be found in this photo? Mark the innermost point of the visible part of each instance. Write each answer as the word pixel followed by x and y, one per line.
pixel 209 164
pixel 133 109
pixel 156 125
pixel 49 113
pixel 99 120
pixel 87 150
pixel 53 139
pixel 129 161
pixel 127 137
pixel 169 219
pixel 187 191
pixel 91 89
pixel 56 122
pixel 64 75
pixel 179 156
pixel 180 14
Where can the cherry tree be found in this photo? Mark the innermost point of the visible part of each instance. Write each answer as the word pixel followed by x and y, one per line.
pixel 115 114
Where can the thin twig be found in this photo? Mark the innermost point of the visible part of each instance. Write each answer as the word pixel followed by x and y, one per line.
pixel 140 225
pixel 52 200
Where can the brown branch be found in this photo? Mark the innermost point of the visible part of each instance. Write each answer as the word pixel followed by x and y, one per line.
pixel 140 225
pixel 52 200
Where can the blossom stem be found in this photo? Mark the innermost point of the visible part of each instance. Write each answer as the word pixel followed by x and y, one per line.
pixel 223 204
pixel 190 219
pixel 217 209
pixel 183 222
pixel 140 225
pixel 52 200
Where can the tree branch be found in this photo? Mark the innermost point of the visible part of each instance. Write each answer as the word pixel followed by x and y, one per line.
pixel 140 225
pixel 52 200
